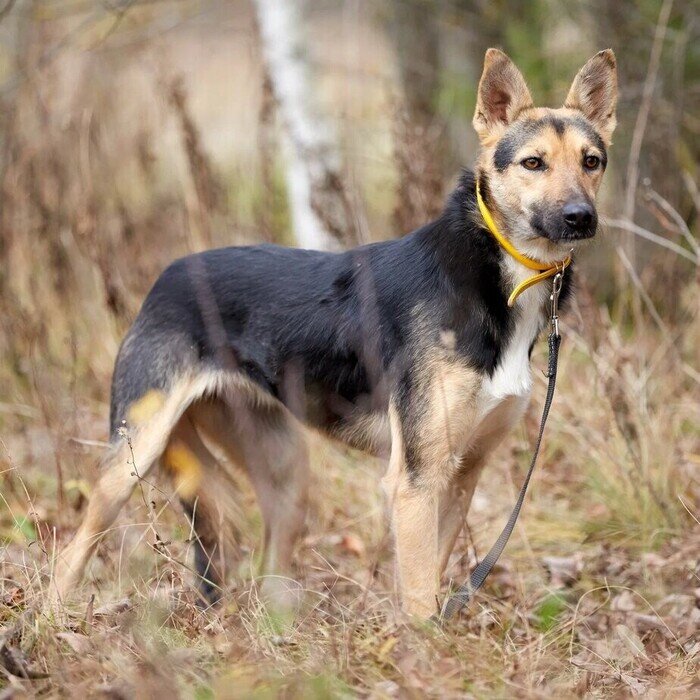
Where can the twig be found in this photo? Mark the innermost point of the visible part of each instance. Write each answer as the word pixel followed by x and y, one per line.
pixel 690 513
pixel 19 409
pixel 692 188
pixel 655 197
pixel 159 544
pixel 627 225
pixel 643 113
pixel 7 9
pixel 643 292
pixel 119 12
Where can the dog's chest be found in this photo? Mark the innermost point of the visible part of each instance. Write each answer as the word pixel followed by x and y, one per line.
pixel 504 395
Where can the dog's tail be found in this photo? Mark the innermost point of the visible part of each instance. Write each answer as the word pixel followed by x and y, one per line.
pixel 151 419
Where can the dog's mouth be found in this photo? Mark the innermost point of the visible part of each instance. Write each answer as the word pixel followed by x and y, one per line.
pixel 578 235
pixel 560 232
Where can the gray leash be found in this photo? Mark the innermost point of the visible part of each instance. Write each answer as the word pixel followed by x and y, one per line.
pixel 457 600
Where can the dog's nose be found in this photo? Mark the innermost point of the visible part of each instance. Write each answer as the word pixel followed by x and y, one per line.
pixel 578 215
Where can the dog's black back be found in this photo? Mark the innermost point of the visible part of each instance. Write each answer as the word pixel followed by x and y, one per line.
pixel 350 325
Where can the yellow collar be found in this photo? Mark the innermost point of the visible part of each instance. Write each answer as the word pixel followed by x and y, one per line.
pixel 543 269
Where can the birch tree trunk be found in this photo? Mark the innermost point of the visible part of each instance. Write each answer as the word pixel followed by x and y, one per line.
pixel 321 211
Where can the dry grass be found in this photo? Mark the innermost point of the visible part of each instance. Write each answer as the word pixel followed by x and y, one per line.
pixel 598 594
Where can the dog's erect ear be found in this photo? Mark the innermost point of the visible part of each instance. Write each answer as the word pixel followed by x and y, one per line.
pixel 502 94
pixel 594 92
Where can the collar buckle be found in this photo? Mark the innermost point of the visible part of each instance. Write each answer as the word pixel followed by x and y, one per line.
pixel 557 284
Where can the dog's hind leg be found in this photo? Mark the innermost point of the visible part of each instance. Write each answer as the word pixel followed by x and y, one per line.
pixel 119 477
pixel 277 464
pixel 269 445
pixel 130 460
pixel 199 481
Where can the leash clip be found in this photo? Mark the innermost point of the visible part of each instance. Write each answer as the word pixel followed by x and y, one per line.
pixel 554 298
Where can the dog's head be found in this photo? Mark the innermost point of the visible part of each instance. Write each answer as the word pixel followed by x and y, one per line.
pixel 542 167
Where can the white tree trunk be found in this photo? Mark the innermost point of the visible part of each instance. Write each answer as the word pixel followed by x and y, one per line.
pixel 321 215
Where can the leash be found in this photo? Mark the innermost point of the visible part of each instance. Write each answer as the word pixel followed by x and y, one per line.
pixel 544 271
pixel 457 600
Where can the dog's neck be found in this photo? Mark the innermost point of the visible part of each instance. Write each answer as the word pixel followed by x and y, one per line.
pixel 475 263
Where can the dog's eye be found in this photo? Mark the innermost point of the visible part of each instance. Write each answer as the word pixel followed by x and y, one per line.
pixel 591 162
pixel 532 163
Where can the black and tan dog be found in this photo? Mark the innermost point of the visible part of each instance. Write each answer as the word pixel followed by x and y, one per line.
pixel 418 347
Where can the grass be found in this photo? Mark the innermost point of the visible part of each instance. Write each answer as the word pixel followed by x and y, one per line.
pixel 596 594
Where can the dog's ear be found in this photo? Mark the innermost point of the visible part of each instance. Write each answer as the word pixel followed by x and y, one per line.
pixel 502 94
pixel 594 92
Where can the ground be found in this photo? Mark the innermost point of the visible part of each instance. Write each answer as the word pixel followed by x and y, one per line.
pixel 597 595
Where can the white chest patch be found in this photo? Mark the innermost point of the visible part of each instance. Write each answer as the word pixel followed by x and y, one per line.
pixel 512 377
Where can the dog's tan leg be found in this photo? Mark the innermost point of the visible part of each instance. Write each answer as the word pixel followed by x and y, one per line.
pixel 108 498
pixel 153 418
pixel 204 492
pixel 414 515
pixel 451 523
pixel 278 468
pixel 271 447
pixel 431 428
pixel 426 524
pixel 416 530
pixel 454 506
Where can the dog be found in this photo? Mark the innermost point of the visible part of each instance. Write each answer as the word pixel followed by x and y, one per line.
pixel 415 347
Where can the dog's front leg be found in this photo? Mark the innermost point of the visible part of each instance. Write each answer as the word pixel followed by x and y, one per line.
pixel 454 506
pixel 414 517
pixel 436 423
pixel 415 522
pixel 413 508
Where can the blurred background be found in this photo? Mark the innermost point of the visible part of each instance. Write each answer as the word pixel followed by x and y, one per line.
pixel 135 132
pixel 132 133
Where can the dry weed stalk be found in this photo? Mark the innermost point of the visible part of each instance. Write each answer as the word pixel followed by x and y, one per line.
pixel 421 182
pixel 209 197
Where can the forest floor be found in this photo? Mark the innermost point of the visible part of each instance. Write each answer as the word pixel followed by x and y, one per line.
pixel 597 595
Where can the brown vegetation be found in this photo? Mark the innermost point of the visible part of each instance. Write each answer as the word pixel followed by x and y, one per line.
pixel 132 136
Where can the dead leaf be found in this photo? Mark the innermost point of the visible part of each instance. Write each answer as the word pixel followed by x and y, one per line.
pixel 583 660
pixel 631 640
pixel 353 545
pixel 563 571
pixel 385 689
pixel 623 602
pixel 15 662
pixel 222 646
pixel 636 686
pixel 653 560
pixel 692 650
pixel 621 647
pixel 14 598
pixel 678 603
pixel 79 643
pixel 113 608
pixel 408 663
pixel 182 656
pixel 646 623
